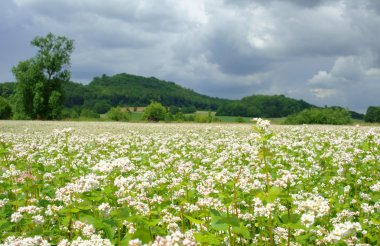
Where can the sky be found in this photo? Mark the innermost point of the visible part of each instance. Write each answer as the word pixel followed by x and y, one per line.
pixel 326 52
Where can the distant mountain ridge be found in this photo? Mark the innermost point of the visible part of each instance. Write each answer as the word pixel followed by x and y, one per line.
pixel 105 92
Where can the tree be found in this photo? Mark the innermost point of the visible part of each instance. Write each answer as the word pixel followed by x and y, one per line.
pixel 5 109
pixel 39 93
pixel 119 114
pixel 154 112
pixel 372 115
pixel 331 116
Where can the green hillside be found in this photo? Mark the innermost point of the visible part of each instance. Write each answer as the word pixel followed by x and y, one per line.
pixel 105 92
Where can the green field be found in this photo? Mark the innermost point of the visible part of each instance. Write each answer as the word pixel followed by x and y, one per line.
pixel 110 183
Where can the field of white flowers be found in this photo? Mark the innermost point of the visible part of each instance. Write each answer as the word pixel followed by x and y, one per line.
pixel 87 183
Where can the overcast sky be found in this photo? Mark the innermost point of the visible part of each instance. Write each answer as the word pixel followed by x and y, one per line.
pixel 323 51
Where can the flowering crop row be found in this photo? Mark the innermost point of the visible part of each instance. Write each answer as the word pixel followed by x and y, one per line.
pixel 188 184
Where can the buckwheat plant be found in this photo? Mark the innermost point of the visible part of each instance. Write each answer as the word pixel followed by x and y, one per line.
pixel 103 183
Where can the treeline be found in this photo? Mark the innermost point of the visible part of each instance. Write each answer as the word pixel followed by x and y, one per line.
pixel 130 90
pixel 125 90
pixel 106 92
pixel 263 106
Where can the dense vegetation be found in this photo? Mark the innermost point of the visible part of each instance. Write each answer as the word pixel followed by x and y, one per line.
pixel 5 109
pixel 330 116
pixel 130 90
pixel 75 183
pixel 373 115
pixel 39 79
pixel 123 89
pixel 263 106
pixel 107 92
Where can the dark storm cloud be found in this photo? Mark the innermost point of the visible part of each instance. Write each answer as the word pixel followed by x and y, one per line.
pixel 303 3
pixel 322 51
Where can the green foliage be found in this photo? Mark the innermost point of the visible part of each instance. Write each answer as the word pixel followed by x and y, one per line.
pixel 5 109
pixel 119 114
pixel 331 116
pixel 262 106
pixel 101 107
pixel 154 112
pixel 88 114
pixel 69 113
pixel 203 117
pixel 372 115
pixel 132 90
pixel 240 119
pixel 39 80
pixel 7 89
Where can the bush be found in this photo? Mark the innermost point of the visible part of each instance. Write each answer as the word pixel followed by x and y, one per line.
pixel 5 109
pixel 331 116
pixel 101 107
pixel 88 114
pixel 69 113
pixel 240 119
pixel 372 115
pixel 154 112
pixel 119 114
pixel 201 118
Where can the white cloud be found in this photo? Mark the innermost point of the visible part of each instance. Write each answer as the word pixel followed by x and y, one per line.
pixel 323 93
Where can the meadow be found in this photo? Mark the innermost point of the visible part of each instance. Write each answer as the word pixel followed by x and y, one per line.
pixel 109 183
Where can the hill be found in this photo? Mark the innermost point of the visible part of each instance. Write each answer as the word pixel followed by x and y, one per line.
pixel 105 92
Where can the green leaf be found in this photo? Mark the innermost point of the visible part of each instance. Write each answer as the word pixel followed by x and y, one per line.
pixel 242 230
pixel 66 211
pixel 375 221
pixel 152 222
pixel 207 239
pixel 108 231
pixel 215 213
pixel 292 219
pixel 142 234
pixel 273 194
pixel 304 237
pixel 194 221
pixel 219 224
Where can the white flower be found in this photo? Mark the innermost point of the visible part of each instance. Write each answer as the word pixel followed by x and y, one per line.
pixel 16 217
pixel 38 219
pixel 28 241
pixel 104 208
pixel 343 230
pixel 307 219
pixel 375 187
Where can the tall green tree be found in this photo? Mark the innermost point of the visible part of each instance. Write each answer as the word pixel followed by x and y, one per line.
pixel 39 93
pixel 5 109
pixel 373 114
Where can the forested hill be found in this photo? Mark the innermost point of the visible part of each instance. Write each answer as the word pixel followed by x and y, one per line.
pixel 131 90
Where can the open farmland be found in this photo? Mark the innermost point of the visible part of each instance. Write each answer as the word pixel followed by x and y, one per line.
pixel 91 183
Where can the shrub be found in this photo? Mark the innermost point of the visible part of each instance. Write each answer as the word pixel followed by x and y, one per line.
pixel 119 114
pixel 240 119
pixel 69 113
pixel 5 109
pixel 154 112
pixel 88 114
pixel 331 116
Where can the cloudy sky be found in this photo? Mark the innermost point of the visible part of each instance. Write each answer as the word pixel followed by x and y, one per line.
pixel 326 52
